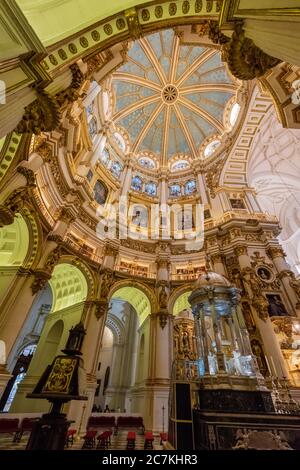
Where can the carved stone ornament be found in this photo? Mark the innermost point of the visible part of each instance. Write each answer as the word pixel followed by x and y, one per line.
pixel 53 259
pixel 133 23
pixel 71 94
pixel 106 283
pixel 101 308
pixel 163 297
pixel 65 215
pixel 41 277
pixel 43 148
pixel 42 115
pixel 163 318
pixel 245 60
pixel 6 216
pixel 261 306
pixel 240 250
pixel 276 252
pixel 28 174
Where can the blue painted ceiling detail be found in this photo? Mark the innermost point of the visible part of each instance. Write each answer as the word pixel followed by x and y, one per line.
pixel 202 91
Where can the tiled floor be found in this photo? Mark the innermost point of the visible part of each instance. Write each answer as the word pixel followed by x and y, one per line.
pixel 118 442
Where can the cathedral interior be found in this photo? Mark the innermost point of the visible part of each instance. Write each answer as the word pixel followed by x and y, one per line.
pixel 150 224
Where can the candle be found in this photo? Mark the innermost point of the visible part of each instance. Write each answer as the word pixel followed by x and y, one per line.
pixel 273 367
pixel 268 365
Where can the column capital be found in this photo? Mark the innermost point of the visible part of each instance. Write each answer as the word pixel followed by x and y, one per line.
pixel 275 252
pixel 64 214
pixel 240 250
pixel 28 174
pixel 41 277
pixel 101 307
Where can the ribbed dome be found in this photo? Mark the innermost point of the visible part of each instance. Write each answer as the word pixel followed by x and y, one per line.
pixel 211 279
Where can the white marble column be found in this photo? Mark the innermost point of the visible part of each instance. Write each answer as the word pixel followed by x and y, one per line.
pixel 272 347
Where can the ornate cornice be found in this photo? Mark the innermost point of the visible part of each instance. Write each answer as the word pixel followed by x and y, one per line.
pixel 275 252
pixel 29 175
pixel 244 59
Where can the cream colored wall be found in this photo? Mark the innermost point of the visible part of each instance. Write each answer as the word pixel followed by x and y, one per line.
pixel 53 21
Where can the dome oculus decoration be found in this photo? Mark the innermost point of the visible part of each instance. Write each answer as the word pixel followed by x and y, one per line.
pixel 170 97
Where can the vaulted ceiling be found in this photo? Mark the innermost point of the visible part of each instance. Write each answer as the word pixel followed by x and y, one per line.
pixel 170 98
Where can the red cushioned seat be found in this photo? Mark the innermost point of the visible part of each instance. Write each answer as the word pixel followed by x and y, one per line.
pixel 163 437
pixel 131 436
pixel 148 440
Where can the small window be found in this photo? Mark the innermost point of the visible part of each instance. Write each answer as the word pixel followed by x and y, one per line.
pixel 150 188
pixel 190 187
pixel 116 169
pixel 136 183
pixel 210 148
pixel 175 190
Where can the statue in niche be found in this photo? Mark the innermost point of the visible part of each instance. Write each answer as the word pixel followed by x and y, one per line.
pixel 107 280
pixel 258 352
pixel 163 297
pixel 248 317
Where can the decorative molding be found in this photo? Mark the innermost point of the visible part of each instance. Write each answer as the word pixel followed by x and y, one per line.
pixel 42 115
pixel 244 59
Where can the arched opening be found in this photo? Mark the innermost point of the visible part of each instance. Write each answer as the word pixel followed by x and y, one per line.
pixel 125 351
pixel 14 243
pixel 68 289
pixel 24 348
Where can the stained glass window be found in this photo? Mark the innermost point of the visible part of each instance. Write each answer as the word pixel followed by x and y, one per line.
pixel 105 157
pixel 151 189
pixel 190 187
pixel 93 127
pixel 210 148
pixel 146 162
pixel 136 183
pixel 175 190
pixel 181 165
pixel 116 169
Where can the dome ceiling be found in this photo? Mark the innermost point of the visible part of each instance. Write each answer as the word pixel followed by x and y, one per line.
pixel 170 98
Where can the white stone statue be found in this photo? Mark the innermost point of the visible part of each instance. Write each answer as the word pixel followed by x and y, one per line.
pixel 2 353
pixel 212 363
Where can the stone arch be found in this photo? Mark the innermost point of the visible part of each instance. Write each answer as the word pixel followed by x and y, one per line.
pixel 69 286
pixel 14 242
pixel 35 238
pixel 138 286
pixel 180 294
pixel 116 327
pixel 86 271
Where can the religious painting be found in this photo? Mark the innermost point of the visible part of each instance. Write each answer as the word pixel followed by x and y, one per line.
pixel 140 216
pixel 100 193
pixel 207 214
pixel 89 175
pixel 185 220
pixel 237 204
pixel 264 273
pixel 276 307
